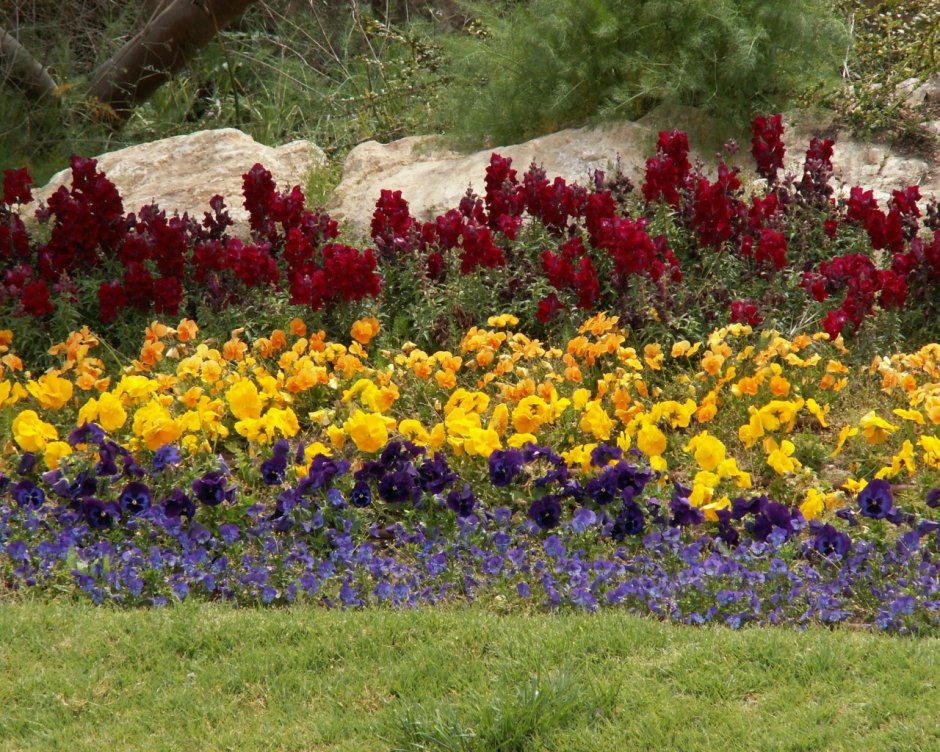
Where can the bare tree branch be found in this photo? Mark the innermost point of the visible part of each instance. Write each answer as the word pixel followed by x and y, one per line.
pixel 175 32
pixel 23 70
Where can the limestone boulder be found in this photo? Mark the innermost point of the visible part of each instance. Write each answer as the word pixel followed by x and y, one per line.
pixel 433 179
pixel 182 173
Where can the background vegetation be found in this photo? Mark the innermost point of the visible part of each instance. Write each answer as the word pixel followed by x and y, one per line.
pixel 341 72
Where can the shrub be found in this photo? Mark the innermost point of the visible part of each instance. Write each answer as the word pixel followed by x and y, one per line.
pixel 557 63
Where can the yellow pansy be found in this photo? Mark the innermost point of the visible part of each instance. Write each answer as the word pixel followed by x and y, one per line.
pixel 413 431
pixel 931 447
pixel 531 414
pixel 875 430
pixel 650 440
pixel 813 505
pixel 580 456
pixel 55 451
pixel 135 389
pixel 904 458
pixel 781 457
pixel 708 450
pixel 369 431
pixel 31 433
pixel 50 390
pixel 499 421
pixel 481 442
pixel 244 400
pixel 11 393
pixel 820 413
pixel 107 411
pixel 915 416
pixel 596 421
pixel 846 433
pixel 519 440
pixel 154 424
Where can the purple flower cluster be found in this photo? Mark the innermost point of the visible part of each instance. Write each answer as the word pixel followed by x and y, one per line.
pixel 405 529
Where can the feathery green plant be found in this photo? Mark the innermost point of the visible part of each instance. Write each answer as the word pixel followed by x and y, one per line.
pixel 557 63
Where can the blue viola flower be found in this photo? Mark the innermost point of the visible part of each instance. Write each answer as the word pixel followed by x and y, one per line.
pixel 875 500
pixel 435 475
pixel 99 515
pixel 323 470
pixel 134 498
pixel 602 454
pixel 27 463
pixel 361 494
pixel 583 519
pixel 166 456
pixel 462 502
pixel 741 508
pixel 505 465
pixel 212 488
pixel 933 498
pixel 87 433
pixel 828 541
pixel 28 495
pixel 774 516
pixel 179 504
pixel 398 487
pixel 683 513
pixel 273 470
pixel 630 521
pixel 545 512
pixel 603 489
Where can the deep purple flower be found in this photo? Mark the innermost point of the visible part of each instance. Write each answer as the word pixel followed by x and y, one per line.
pixel 98 514
pixel 87 433
pixel 361 494
pixel 179 504
pixel 398 487
pixel 875 500
pixel 28 495
pixel 726 531
pixel 740 508
pixel 461 502
pixel 4 482
pixel 774 516
pixel 933 498
pixel 683 513
pixel 166 456
pixel 630 521
pixel 398 455
pixel 434 474
pixel 27 463
pixel 603 488
pixel 828 541
pixel 212 489
pixel 273 470
pixel 322 471
pixel 505 465
pixel 545 512
pixel 135 498
pixel 602 454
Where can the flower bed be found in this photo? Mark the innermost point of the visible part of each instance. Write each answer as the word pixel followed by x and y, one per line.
pixel 734 479
pixel 633 431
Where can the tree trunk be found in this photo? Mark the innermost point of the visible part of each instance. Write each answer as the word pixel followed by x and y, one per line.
pixel 175 32
pixel 27 73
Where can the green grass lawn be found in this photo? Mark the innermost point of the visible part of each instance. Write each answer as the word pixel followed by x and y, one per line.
pixel 207 677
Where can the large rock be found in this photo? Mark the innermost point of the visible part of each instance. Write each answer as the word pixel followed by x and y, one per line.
pixel 182 173
pixel 433 179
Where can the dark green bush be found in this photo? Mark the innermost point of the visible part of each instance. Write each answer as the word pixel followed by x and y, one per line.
pixel 556 63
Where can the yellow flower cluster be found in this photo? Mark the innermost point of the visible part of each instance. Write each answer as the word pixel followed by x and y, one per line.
pixel 732 412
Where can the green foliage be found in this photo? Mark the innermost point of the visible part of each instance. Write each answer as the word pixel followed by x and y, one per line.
pixel 557 63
